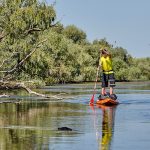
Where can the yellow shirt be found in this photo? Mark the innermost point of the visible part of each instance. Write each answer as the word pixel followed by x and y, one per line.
pixel 106 63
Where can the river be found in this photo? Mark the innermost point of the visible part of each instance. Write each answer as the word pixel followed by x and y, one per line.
pixel 31 123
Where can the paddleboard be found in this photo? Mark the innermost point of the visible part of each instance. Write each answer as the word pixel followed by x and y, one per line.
pixel 107 102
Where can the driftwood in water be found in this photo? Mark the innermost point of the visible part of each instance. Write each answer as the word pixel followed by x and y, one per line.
pixel 21 85
pixel 4 95
pixel 39 94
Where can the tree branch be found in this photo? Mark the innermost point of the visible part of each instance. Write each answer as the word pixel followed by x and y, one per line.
pixel 32 30
pixel 2 35
pixel 39 94
pixel 23 60
pixel 14 85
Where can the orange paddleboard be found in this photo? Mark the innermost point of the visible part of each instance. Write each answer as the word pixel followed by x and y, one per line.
pixel 107 102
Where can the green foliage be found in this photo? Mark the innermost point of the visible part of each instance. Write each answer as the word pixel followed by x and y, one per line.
pixel 21 23
pixel 72 32
pixel 35 83
pixel 119 64
pixel 134 73
pixel 65 56
pixel 120 53
pixel 144 66
pixel 102 43
pixel 122 74
pixel 51 80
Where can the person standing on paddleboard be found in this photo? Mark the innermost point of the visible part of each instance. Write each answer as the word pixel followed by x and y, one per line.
pixel 105 62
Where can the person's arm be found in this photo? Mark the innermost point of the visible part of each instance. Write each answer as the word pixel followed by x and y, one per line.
pixel 107 53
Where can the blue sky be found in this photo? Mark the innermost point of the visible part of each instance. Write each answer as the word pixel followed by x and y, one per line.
pixel 125 21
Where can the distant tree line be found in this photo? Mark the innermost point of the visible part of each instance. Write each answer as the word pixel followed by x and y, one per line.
pixel 35 46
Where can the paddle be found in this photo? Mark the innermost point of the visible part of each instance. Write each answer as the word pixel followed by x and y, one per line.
pixel 94 92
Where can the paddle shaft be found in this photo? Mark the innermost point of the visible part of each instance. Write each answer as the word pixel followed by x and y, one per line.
pixel 94 92
pixel 96 80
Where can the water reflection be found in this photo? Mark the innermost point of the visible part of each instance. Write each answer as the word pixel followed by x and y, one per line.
pixel 34 125
pixel 15 123
pixel 105 135
pixel 107 127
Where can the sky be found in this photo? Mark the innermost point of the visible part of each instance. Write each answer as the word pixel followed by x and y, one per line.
pixel 124 23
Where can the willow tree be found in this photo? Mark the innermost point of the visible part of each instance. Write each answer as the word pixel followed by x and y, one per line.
pixel 21 23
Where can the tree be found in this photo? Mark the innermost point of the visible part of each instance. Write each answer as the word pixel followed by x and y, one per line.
pixel 75 34
pixel 102 43
pixel 134 73
pixel 21 23
pixel 120 53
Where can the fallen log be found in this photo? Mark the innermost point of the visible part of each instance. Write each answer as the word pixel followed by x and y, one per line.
pixel 4 95
pixel 21 85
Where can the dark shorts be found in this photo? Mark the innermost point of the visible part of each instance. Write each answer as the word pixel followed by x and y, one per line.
pixel 108 78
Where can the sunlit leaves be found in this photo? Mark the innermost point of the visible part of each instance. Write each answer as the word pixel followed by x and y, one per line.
pixel 74 33
pixel 65 56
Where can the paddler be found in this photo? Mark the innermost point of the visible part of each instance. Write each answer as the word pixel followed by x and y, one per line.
pixel 107 78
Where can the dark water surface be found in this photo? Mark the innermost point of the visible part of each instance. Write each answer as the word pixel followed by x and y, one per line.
pixel 31 123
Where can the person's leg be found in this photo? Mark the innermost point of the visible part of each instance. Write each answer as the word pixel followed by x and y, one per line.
pixel 111 90
pixel 111 83
pixel 104 84
pixel 103 91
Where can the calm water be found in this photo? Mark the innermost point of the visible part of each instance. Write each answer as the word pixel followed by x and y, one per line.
pixel 32 123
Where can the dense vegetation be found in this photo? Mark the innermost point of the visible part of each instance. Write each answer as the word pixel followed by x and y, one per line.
pixel 34 46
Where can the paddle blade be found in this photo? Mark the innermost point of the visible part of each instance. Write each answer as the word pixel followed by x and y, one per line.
pixel 92 100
